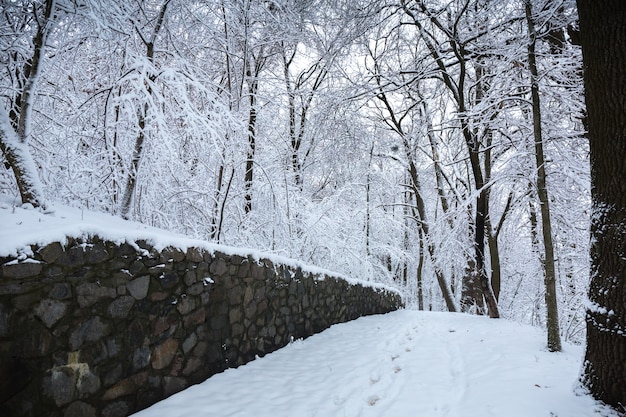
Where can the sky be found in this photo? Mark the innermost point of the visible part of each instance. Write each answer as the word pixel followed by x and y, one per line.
pixel 405 363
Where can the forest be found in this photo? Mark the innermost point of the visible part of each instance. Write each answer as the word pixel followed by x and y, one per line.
pixel 436 146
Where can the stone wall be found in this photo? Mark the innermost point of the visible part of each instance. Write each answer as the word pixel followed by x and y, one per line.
pixel 92 328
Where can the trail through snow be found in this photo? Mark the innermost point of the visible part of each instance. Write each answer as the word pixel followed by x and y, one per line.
pixel 405 363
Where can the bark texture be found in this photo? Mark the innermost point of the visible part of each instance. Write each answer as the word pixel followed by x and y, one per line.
pixel 603 34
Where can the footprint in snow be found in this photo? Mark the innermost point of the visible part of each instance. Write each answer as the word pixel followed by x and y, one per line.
pixel 374 378
pixel 372 400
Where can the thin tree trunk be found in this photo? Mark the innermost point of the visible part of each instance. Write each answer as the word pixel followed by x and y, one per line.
pixel 142 115
pixel 249 175
pixel 253 89
pixel 367 202
pixel 554 338
pixel 420 268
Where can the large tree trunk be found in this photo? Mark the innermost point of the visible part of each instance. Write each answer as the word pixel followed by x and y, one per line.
pixel 554 338
pixel 603 31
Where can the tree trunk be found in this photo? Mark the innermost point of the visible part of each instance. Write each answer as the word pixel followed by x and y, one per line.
pixel 554 338
pixel 603 30
pixel 21 161
pixel 423 224
pixel 142 116
pixel 253 88
pixel 14 136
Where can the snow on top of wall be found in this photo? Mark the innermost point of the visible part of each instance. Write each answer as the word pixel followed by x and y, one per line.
pixel 22 226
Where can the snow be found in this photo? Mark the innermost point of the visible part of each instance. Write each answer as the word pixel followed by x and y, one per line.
pixel 405 363
pixel 22 226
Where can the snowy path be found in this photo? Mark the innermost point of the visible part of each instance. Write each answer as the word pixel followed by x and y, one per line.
pixel 405 363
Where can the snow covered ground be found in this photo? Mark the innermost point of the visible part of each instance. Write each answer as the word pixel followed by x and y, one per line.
pixel 406 363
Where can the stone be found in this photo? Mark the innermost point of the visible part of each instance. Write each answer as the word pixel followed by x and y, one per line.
pixel 61 291
pixel 237 330
pixel 37 342
pixel 120 307
pixel 80 409
pixel 88 331
pixel 193 364
pixel 201 349
pixel 158 296
pixel 126 250
pixel 96 253
pixel 73 257
pixel 141 357
pixel 186 304
pixel 112 347
pixel 235 315
pixel 113 375
pixel 197 288
pixel 169 279
pixel 170 254
pixel 194 255
pixel 51 252
pixel 195 318
pixel 256 271
pixel 235 296
pixel 250 310
pixel 116 409
pixel 20 270
pixel 126 386
pixel 50 311
pixel 138 287
pixel 54 272
pixel 248 295
pixel 59 384
pixel 163 324
pixel 90 293
pixel 218 322
pixel 190 342
pixel 244 270
pixel 156 269
pixel 25 301
pixel 218 267
pixel 172 385
pixel 163 354
pixel 88 383
pixel 137 267
pixel 190 277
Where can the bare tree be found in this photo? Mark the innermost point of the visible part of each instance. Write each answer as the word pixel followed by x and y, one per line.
pixel 554 338
pixel 148 39
pixel 476 283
